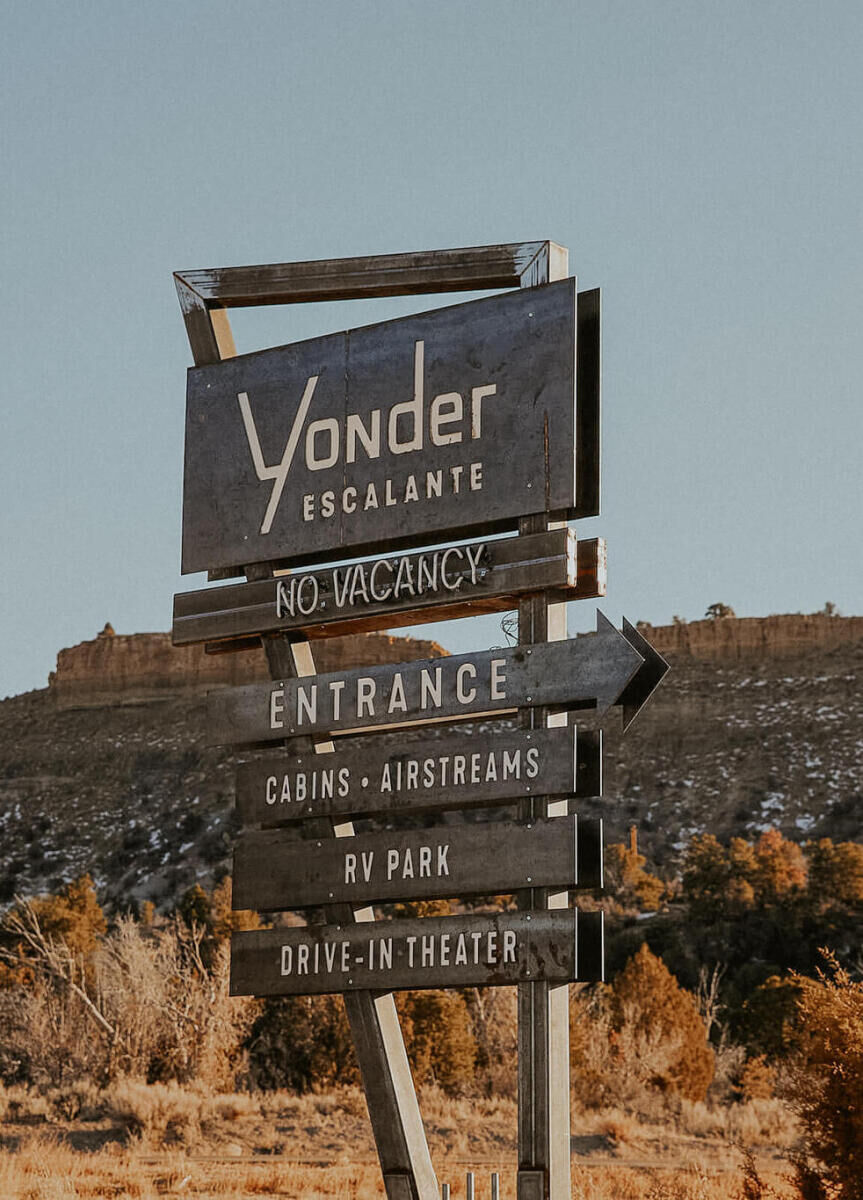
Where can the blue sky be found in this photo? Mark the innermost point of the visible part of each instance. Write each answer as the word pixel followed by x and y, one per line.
pixel 703 162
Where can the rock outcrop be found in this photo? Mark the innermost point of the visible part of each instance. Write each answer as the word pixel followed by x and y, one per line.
pixel 732 638
pixel 142 667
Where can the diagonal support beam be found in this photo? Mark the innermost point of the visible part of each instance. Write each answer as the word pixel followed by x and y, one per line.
pixel 400 1138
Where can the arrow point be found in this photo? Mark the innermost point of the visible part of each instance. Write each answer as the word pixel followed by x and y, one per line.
pixel 627 658
pixel 646 679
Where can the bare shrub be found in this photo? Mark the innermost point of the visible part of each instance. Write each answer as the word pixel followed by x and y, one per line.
pixel 494 1020
pixel 157 1113
pixel 758 1078
pixel 143 1003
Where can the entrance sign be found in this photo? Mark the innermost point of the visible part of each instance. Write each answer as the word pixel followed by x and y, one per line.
pixel 583 672
pixel 405 589
pixel 452 423
pixel 561 946
pixel 273 871
pixel 450 771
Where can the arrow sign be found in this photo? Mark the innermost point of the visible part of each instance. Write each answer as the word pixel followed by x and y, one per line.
pixel 645 680
pixel 469 950
pixel 586 672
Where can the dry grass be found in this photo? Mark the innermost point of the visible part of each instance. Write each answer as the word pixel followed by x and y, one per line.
pixel 45 1170
pixel 166 1140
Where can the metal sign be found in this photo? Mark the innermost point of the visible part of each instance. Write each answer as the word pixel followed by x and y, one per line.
pixel 418 776
pixel 455 422
pixel 582 672
pixel 561 946
pixel 273 871
pixel 406 589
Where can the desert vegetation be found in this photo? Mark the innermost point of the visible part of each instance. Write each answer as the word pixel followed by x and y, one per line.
pixel 725 1042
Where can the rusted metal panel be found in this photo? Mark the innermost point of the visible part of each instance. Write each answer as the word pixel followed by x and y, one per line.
pixel 273 871
pixel 470 950
pixel 438 584
pixel 470 268
pixel 581 672
pixel 446 772
pixel 448 424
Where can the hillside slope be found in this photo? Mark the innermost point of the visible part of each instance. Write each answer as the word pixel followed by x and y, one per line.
pixel 132 794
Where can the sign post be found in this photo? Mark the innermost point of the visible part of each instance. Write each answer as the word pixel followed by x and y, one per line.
pixel 464 423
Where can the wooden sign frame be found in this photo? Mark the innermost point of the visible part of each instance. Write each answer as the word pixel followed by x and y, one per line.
pixel 543 1105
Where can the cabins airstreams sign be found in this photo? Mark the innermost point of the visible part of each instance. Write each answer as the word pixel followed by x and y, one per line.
pixel 454 422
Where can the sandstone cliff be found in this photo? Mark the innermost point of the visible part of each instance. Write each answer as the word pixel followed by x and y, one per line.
pixel 141 667
pixel 732 638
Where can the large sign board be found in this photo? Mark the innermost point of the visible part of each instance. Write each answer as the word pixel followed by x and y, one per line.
pixel 561 946
pixel 431 774
pixel 581 672
pixel 452 423
pixel 273 871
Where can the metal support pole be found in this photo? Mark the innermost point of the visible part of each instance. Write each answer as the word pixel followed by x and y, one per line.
pixel 468 1186
pixel 543 1010
pixel 495 1186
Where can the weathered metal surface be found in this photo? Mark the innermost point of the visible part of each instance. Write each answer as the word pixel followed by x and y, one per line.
pixel 643 684
pixel 273 871
pixel 383 593
pixel 446 772
pixel 543 1006
pixel 451 423
pixel 581 672
pixel 471 268
pixel 485 950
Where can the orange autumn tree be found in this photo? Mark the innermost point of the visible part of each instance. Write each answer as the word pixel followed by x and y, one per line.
pixel 639 1037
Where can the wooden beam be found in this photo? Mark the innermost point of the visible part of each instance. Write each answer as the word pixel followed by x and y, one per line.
pixel 468 269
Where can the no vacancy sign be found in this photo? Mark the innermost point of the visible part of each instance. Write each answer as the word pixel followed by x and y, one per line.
pixel 451 423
